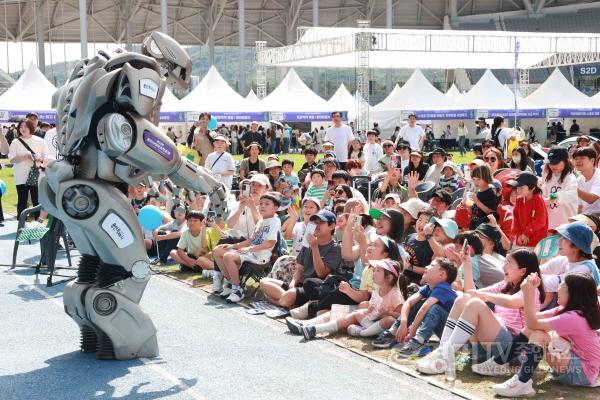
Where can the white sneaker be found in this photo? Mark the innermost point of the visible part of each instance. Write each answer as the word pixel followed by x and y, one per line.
pixel 514 388
pixel 355 330
pixel 300 312
pixel 236 296
pixel 491 368
pixel 227 289
pixel 433 363
pixel 217 286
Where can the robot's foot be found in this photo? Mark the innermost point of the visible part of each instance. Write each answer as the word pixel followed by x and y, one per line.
pixel 105 348
pixel 89 339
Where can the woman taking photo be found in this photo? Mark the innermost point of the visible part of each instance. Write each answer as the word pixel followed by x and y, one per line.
pixel 25 152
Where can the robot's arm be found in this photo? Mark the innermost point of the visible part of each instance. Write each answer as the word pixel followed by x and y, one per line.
pixel 136 142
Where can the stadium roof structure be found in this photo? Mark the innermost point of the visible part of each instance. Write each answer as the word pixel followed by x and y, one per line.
pixel 414 48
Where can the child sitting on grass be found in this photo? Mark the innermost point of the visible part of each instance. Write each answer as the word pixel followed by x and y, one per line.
pixel 167 236
pixel 257 249
pixel 373 316
pixel 189 247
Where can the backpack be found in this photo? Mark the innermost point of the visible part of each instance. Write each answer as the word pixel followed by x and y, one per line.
pixel 496 140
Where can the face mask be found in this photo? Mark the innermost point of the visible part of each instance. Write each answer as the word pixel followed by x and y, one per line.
pixel 516 159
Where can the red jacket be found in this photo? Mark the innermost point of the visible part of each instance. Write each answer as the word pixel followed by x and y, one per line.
pixel 530 218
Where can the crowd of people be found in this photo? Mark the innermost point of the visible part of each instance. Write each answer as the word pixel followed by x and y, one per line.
pixel 497 255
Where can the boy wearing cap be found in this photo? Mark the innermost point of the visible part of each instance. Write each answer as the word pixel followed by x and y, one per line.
pixel 449 178
pixel 220 162
pixel 257 249
pixel 588 183
pixel 530 216
pixel 372 151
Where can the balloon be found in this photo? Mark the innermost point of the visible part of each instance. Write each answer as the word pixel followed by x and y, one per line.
pixel 150 217
pixel 2 187
pixel 212 124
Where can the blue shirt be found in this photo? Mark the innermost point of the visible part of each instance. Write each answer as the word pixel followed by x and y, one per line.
pixel 443 292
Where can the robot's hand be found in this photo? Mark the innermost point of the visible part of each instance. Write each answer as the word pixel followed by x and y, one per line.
pixel 173 59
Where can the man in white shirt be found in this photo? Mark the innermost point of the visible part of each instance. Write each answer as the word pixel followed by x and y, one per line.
pixel 412 133
pixel 340 135
pixel 373 152
pixel 220 162
pixel 588 184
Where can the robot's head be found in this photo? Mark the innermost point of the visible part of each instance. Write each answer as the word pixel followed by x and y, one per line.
pixel 171 57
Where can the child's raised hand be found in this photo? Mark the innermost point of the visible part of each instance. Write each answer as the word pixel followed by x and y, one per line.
pixel 413 179
pixel 492 219
pixel 377 204
pixel 344 287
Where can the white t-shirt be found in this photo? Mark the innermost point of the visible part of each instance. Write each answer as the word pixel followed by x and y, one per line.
pixel 341 138
pixel 21 169
pixel 218 163
pixel 591 186
pixel 560 266
pixel 372 152
pixel 267 229
pixel 565 206
pixel 245 223
pixel 412 134
pixel 503 137
pixel 298 232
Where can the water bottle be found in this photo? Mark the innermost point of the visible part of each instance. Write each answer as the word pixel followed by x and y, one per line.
pixel 449 356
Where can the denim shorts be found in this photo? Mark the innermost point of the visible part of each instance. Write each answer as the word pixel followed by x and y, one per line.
pixel 574 375
pixel 500 346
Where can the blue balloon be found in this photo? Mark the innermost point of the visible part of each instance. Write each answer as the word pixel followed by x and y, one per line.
pixel 2 187
pixel 150 217
pixel 212 124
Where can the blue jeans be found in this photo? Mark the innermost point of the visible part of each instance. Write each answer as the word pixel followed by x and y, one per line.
pixel 461 145
pixel 286 145
pixel 434 320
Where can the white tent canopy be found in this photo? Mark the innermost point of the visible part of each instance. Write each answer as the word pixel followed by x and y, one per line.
pixel 213 94
pixel 557 92
pixel 329 47
pixel 343 100
pixel 416 94
pixel 453 93
pixel 292 95
pixel 252 96
pixel 488 93
pixel 32 92
pixel 170 103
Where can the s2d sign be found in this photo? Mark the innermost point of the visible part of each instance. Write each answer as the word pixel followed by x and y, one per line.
pixel 585 70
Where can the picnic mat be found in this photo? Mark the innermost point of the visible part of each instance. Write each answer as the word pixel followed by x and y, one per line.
pixel 271 311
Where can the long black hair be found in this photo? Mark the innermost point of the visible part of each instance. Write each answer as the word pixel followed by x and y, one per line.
pixel 566 171
pixel 397 224
pixel 583 298
pixel 498 120
pixel 525 259
pixel 472 240
pixel 523 163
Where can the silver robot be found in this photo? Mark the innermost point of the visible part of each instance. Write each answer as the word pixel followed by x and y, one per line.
pixel 107 116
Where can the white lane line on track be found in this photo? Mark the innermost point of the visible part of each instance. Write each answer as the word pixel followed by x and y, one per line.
pixel 150 363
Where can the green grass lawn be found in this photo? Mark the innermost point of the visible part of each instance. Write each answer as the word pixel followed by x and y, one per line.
pixel 9 199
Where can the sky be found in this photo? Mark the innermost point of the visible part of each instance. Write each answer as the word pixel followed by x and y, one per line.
pixel 11 60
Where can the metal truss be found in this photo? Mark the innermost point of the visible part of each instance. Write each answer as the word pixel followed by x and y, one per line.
pixel 524 82
pixel 363 45
pixel 566 59
pixel 261 70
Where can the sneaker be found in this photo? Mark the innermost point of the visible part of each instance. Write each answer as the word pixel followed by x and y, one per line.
pixel 236 296
pixel 491 368
pixel 355 330
pixel 207 273
pixel 300 312
pixel 385 340
pixel 227 289
pixel 414 348
pixel 433 363
pixel 217 285
pixel 309 332
pixel 514 388
pixel 294 326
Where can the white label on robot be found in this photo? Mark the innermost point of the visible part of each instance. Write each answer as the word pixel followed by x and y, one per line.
pixel 149 88
pixel 118 230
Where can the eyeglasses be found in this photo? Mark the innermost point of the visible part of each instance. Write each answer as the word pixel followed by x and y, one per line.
pixel 492 159
pixel 338 192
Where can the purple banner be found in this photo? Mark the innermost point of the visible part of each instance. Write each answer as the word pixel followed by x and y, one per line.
pixel 172 117
pixel 538 113
pixel 48 116
pixel 579 113
pixel 158 145
pixel 231 117
pixel 307 116
pixel 443 114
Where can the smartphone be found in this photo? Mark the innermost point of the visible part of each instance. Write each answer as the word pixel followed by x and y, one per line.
pixel 210 215
pixel 246 190
pixel 394 161
pixel 310 229
pixel 358 220
pixel 464 247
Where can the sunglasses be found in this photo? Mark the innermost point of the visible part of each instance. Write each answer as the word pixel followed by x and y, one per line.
pixel 404 148
pixel 387 145
pixel 492 159
pixel 339 192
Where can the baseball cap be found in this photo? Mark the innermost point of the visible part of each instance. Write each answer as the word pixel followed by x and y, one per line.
pixel 254 123
pixel 312 199
pixel 480 119
pixel 328 144
pixel 478 162
pixel 438 150
pixel 260 178
pixel 403 143
pixel 489 231
pixel 275 197
pixel 449 226
pixel 31 114
pixel 325 216
pixel 221 138
pixel 523 179
pixel 416 153
pixel 577 233
pixel 386 264
pixel 413 207
pixel 443 196
pixel 393 196
pixel 329 153
pixel 557 154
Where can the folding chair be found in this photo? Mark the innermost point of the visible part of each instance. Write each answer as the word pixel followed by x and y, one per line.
pixel 256 272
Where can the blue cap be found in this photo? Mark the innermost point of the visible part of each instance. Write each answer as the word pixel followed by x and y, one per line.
pixel 329 153
pixel 579 234
pixel 449 226
pixel 325 216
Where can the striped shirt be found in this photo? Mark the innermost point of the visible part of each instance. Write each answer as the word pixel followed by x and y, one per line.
pixel 317 192
pixel 450 184
pixel 512 318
